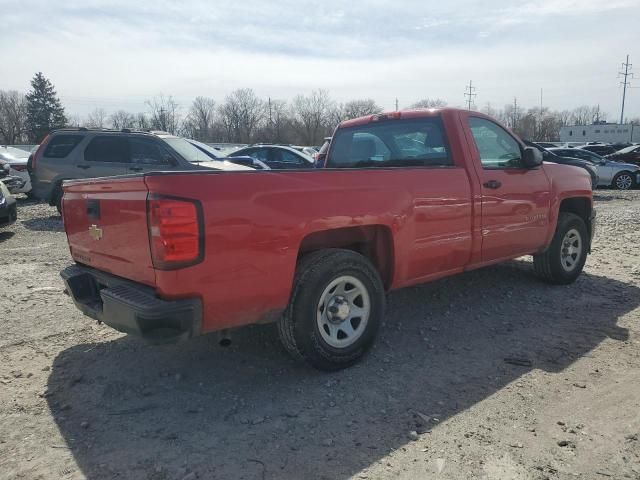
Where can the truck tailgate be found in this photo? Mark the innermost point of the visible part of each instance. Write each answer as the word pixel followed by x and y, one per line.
pixel 106 224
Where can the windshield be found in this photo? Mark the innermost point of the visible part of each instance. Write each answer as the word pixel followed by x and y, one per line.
pixel 628 149
pixel 186 150
pixel 207 149
pixel 390 143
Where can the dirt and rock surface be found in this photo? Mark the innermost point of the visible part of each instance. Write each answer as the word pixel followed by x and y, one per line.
pixel 489 374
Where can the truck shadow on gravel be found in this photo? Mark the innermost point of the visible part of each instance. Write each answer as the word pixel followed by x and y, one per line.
pixel 6 235
pixel 46 224
pixel 129 410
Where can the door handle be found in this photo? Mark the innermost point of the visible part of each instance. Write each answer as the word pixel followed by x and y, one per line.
pixel 84 167
pixel 492 184
pixel 136 169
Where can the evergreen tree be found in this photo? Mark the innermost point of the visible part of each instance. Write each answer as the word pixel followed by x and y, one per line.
pixel 44 110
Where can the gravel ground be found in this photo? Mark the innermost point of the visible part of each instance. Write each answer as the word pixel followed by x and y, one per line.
pixel 489 374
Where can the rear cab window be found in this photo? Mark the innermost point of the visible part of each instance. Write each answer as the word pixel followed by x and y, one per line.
pixel 414 142
pixel 61 145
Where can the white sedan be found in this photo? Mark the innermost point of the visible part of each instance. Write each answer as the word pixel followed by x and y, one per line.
pixel 17 158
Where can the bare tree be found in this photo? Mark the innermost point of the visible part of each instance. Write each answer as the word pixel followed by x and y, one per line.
pixel 278 121
pixel 122 119
pixel 164 113
pixel 313 114
pixel 429 103
pixel 564 117
pixel 141 122
pixel 583 115
pixel 200 119
pixel 75 121
pixel 361 108
pixel 97 118
pixel 241 114
pixel 13 117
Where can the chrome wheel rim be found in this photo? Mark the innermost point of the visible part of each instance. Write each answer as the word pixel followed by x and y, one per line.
pixel 571 250
pixel 623 182
pixel 343 311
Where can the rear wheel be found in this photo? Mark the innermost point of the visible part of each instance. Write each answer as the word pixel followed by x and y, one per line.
pixel 56 198
pixel 564 260
pixel 623 181
pixel 335 310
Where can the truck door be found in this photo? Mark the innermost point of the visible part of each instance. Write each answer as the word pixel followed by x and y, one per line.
pixel 515 200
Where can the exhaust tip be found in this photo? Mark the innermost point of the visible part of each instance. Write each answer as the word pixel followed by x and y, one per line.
pixel 225 342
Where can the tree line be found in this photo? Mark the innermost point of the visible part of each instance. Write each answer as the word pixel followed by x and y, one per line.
pixel 243 117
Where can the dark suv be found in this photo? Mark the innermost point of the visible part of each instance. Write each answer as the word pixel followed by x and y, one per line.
pixel 86 153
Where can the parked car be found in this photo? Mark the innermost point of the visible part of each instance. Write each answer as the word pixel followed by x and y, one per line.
pixel 214 154
pixel 8 207
pixel 322 153
pixel 277 157
pixel 309 151
pixel 17 161
pixel 601 149
pixel 88 153
pixel 206 251
pixel 630 154
pixel 550 156
pixel 622 176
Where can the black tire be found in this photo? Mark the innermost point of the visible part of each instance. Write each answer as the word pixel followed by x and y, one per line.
pixel 623 181
pixel 299 328
pixel 549 264
pixel 56 198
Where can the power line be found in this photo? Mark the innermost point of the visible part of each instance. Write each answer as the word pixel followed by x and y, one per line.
pixel 627 66
pixel 470 94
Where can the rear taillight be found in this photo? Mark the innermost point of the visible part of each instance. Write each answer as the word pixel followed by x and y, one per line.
pixel 175 232
pixel 36 155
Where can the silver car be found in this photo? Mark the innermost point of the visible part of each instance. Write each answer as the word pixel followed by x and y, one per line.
pixel 16 158
pixel 87 153
pixel 622 176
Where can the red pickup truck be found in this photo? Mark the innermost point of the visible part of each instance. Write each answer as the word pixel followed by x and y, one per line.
pixel 403 198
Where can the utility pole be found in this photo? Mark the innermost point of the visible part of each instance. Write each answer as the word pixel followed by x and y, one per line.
pixel 625 83
pixel 470 94
pixel 539 135
pixel 270 121
pixel 396 104
pixel 162 120
pixel 514 114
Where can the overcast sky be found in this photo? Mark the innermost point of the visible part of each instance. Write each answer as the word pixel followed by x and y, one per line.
pixel 115 54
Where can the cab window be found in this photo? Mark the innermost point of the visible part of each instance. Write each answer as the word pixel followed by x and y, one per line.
pixel 496 147
pixel 389 142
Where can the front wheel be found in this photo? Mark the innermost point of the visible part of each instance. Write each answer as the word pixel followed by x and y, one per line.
pixel 564 260
pixel 335 309
pixel 623 181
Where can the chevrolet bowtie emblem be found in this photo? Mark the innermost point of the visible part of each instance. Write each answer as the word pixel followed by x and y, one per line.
pixel 95 232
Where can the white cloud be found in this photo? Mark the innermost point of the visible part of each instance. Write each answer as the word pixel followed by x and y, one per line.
pixel 119 53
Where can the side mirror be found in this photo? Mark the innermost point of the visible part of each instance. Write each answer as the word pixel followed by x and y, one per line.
pixel 531 157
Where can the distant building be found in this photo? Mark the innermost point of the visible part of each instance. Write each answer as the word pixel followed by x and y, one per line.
pixel 601 132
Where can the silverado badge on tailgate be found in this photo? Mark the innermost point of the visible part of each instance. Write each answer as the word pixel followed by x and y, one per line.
pixel 95 232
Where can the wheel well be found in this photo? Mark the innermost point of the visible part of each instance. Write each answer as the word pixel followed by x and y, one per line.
pixel 373 241
pixel 620 173
pixel 57 186
pixel 580 206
